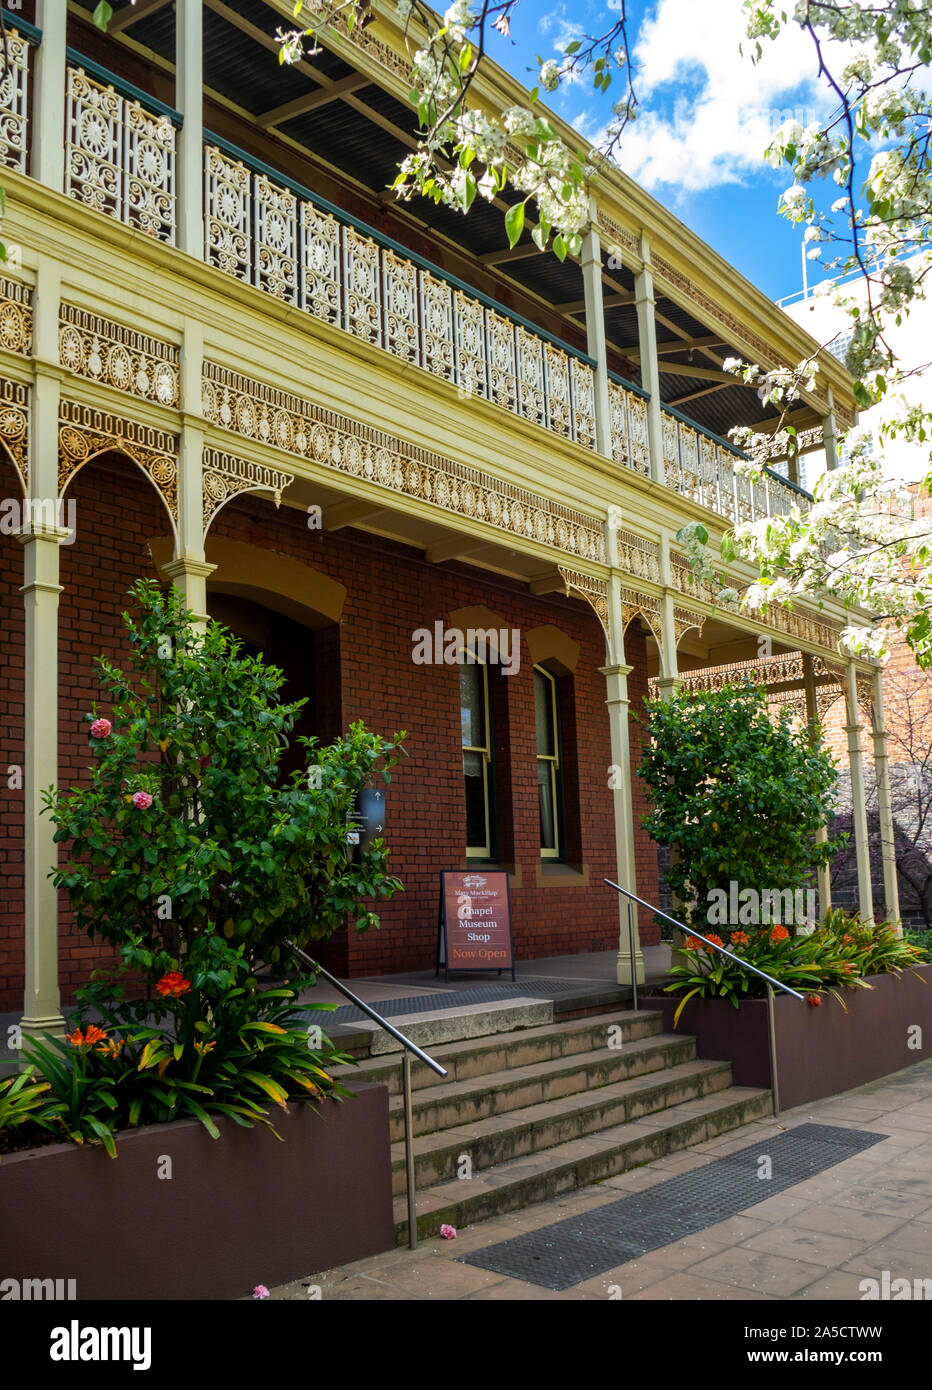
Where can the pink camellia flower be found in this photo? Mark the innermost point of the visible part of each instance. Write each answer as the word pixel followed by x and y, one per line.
pixel 101 728
pixel 260 1291
pixel 448 1232
pixel 142 801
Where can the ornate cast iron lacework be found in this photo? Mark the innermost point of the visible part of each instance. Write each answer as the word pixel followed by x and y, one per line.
pixel 15 316
pixel 13 103
pixel 638 556
pixel 14 427
pixel 593 590
pixel 823 631
pixel 225 476
pixel 613 234
pixel 84 432
pixel 105 351
pixel 119 157
pixel 289 422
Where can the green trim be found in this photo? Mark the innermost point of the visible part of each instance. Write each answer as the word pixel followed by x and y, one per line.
pixel 126 88
pixel 349 220
pixel 701 429
pixel 629 385
pixel 726 444
pixel 28 30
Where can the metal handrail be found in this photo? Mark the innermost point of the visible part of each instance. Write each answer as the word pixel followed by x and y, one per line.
pixel 407 1048
pixel 746 965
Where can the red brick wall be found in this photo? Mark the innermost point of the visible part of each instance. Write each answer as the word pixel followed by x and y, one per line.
pixel 369 673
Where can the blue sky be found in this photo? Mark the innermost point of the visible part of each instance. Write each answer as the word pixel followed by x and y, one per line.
pixel 705 117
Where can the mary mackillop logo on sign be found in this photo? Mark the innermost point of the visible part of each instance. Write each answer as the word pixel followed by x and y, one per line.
pixel 475 922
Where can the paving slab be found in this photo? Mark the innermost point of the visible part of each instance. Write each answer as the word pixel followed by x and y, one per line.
pixel 815 1241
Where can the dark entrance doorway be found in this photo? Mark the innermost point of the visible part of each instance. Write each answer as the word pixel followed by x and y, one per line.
pixel 309 658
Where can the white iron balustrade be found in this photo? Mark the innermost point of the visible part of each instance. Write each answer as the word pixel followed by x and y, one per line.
pixel 14 93
pixel 268 235
pixel 119 157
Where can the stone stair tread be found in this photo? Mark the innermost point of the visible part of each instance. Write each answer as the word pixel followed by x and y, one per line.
pixel 450 1052
pixel 512 1172
pixel 549 1109
pixel 555 1066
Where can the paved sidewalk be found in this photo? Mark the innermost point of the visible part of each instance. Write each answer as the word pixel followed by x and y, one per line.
pixel 818 1240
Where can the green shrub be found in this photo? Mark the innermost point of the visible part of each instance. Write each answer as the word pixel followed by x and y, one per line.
pixel 185 827
pixel 736 796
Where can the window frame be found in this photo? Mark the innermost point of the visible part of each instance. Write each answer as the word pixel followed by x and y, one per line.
pixel 484 852
pixel 557 853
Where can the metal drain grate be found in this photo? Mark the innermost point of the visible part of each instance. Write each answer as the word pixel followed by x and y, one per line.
pixel 454 999
pixel 581 1247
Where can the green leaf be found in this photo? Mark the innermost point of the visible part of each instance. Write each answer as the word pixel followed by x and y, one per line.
pixel 201 1114
pixel 103 15
pixel 514 223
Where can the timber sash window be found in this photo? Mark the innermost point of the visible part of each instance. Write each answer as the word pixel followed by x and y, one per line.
pixel 547 723
pixel 476 734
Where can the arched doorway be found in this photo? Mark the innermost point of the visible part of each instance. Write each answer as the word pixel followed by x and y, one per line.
pixel 308 658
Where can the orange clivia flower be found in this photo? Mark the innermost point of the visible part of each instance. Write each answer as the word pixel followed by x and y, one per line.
pixel 173 984
pixel 204 1047
pixel 92 1035
pixel 111 1048
pixel 694 944
pixel 716 940
pixel 739 938
pixel 779 934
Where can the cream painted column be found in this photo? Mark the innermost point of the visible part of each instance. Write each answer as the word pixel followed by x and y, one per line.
pixel 858 807
pixel 48 101
pixel 823 874
pixel 40 536
pixel 591 262
pixel 189 99
pixel 830 433
pixel 884 803
pixel 668 681
pixel 616 678
pixel 189 568
pixel 650 375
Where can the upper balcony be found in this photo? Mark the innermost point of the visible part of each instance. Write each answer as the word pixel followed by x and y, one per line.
pixel 278 177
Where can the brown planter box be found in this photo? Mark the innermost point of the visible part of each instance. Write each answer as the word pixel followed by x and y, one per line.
pixel 237 1211
pixel 819 1051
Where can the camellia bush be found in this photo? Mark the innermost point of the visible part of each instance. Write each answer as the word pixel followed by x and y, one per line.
pixel 737 795
pixel 193 857
pixel 186 826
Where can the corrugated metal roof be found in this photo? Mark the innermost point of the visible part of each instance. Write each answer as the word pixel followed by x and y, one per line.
pixel 249 75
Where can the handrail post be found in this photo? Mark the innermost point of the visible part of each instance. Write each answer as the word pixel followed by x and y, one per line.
pixel 409 1150
pixel 634 969
pixel 772 1031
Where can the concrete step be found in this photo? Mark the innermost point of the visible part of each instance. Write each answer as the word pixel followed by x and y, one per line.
pixel 438 1157
pixel 458 1103
pixel 429 1030
pixel 522 1046
pixel 535 1176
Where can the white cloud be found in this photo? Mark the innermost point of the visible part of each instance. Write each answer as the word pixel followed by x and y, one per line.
pixel 706 113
